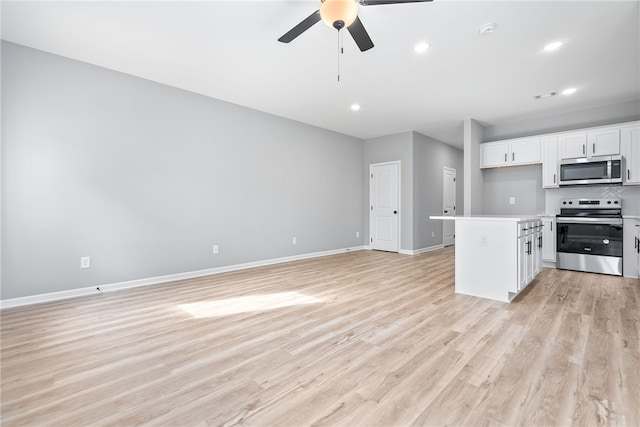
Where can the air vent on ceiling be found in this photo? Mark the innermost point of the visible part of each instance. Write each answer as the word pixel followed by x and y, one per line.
pixel 545 95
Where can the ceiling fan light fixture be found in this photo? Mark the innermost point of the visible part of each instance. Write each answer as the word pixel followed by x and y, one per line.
pixel 339 13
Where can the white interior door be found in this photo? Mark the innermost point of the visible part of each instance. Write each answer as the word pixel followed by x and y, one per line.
pixel 448 205
pixel 384 191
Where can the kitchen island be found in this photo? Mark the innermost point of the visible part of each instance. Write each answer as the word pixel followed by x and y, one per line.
pixel 496 256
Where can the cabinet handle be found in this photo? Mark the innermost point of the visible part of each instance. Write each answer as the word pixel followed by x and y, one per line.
pixel 594 148
pixel 554 178
pixel 584 151
pixel 513 157
pixel 505 157
pixel 635 242
pixel 628 174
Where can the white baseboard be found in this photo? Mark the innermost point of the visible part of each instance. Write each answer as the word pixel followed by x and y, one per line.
pixel 54 296
pixel 420 251
pixel 412 251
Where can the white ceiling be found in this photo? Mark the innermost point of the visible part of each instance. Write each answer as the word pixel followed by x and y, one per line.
pixel 229 50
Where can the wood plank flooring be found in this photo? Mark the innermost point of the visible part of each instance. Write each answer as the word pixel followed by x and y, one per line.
pixel 362 338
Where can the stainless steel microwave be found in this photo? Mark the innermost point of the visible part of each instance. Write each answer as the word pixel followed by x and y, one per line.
pixel 592 170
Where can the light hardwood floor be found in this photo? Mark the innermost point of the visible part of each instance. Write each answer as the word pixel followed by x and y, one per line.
pixel 362 338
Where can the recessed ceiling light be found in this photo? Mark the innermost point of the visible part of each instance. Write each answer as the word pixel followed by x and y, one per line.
pixel 569 91
pixel 355 107
pixel 552 46
pixel 421 47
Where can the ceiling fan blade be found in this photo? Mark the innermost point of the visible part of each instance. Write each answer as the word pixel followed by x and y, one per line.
pixel 360 35
pixel 377 2
pixel 303 26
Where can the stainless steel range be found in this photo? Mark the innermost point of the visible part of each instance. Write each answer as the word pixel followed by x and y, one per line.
pixel 589 235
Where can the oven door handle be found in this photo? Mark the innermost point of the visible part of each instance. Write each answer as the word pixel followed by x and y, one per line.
pixel 584 220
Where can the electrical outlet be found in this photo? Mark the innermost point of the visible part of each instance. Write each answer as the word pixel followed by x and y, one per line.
pixel 512 200
pixel 433 234
pixel 294 241
pixel 85 262
pixel 216 249
pixel 357 234
pixel 483 240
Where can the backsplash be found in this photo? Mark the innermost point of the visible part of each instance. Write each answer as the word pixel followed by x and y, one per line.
pixel 630 196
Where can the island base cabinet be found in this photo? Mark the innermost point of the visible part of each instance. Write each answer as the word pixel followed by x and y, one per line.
pixel 494 259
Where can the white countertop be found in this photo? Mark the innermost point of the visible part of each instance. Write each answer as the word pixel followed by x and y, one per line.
pixel 631 217
pixel 511 218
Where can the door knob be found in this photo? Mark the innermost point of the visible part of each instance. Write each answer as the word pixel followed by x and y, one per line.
pixel 395 212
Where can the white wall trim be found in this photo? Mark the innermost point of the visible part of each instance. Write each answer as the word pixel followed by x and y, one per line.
pixel 72 293
pixel 421 250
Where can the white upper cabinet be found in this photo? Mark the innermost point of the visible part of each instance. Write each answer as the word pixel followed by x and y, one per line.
pixel 494 154
pixel 605 142
pixel 550 149
pixel 525 151
pixel 550 162
pixel 601 142
pixel 630 141
pixel 510 153
pixel 572 145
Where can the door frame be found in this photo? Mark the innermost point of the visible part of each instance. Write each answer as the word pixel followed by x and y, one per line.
pixel 371 166
pixel 455 195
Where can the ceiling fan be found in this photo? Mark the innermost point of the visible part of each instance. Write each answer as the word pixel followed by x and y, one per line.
pixel 340 14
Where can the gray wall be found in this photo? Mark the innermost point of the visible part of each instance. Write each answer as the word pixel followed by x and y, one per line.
pixel 145 178
pixel 473 178
pixel 388 149
pixel 597 116
pixel 422 159
pixel 524 183
pixel 430 156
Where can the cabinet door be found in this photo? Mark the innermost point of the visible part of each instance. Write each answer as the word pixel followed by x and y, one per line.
pixel 525 151
pixel 549 239
pixel 530 258
pixel 630 141
pixel 550 162
pixel 494 154
pixel 630 242
pixel 638 250
pixel 572 145
pixel 537 250
pixel 522 262
pixel 605 142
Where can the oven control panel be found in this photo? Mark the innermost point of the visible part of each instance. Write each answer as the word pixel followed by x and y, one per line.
pixel 611 202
